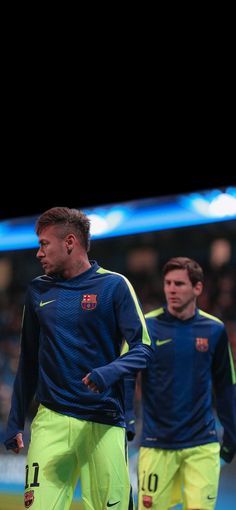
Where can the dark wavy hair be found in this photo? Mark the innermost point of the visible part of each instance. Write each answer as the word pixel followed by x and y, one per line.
pixel 70 220
pixel 192 267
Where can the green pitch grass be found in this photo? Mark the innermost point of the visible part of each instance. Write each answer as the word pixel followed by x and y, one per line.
pixel 15 502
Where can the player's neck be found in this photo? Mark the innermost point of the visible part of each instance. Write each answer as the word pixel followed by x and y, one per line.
pixel 77 267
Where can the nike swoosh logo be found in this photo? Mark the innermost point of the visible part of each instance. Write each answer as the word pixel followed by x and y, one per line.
pixel 44 303
pixel 162 342
pixel 211 497
pixel 112 504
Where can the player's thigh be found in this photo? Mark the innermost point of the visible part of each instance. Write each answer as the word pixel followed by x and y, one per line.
pixel 176 491
pixel 52 468
pixel 157 478
pixel 200 472
pixel 105 478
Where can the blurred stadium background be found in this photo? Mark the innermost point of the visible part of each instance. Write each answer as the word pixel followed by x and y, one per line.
pixel 136 240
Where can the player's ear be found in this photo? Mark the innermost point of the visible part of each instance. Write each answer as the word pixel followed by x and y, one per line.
pixel 198 288
pixel 70 241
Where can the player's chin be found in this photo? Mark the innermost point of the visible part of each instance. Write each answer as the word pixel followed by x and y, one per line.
pixel 179 305
pixel 174 306
pixel 47 270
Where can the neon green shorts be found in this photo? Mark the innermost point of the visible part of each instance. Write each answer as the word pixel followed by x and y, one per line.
pixel 189 476
pixel 64 449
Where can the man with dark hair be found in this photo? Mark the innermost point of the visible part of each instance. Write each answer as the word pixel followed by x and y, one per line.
pixel 75 320
pixel 179 444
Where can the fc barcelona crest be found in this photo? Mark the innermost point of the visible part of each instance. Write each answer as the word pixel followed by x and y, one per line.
pixel 202 344
pixel 29 498
pixel 147 501
pixel 89 301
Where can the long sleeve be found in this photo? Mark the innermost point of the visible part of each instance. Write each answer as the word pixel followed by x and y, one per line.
pixel 132 325
pixel 26 377
pixel 225 389
pixel 129 388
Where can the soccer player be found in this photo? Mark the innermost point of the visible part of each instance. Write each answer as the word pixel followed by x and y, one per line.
pixel 75 319
pixel 179 454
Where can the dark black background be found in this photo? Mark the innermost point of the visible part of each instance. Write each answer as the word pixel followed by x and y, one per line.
pixel 117 133
pixel 34 194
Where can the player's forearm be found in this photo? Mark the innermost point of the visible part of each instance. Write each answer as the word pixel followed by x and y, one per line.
pixel 226 410
pixel 131 362
pixel 23 392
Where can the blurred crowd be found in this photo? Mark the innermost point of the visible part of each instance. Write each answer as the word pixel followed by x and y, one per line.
pixel 140 258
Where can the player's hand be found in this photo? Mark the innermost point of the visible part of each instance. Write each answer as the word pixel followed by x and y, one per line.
pixel 19 443
pixel 130 429
pixel 90 384
pixel 226 454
